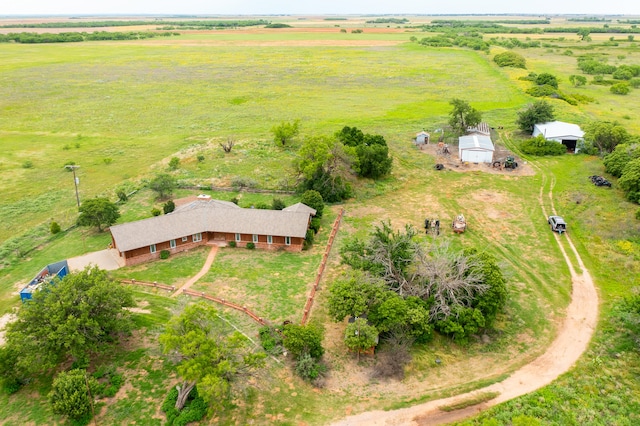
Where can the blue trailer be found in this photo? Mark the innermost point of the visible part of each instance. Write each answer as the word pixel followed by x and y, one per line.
pixel 47 274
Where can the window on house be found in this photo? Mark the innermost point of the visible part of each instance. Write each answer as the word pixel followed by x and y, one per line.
pixel 238 237
pixel 197 237
pixel 152 248
pixel 255 238
pixel 185 239
pixel 172 244
pixel 269 239
pixel 287 240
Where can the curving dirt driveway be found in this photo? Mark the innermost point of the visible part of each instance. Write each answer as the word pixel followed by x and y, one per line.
pixel 572 340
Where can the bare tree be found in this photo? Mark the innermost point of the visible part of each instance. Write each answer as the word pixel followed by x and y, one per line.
pixel 227 146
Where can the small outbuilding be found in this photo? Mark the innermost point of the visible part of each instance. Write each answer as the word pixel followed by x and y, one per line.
pixel 475 149
pixel 422 138
pixel 567 134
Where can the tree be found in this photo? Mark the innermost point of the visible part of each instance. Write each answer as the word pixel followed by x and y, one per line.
pixel 463 115
pixel 163 184
pixel 583 33
pixel 278 204
pixel 615 162
pixel 538 112
pixel 285 132
pixel 98 212
pixel 354 296
pixel 207 353
pixel 373 160
pixel 630 180
pixel 314 200
pixel 303 339
pixel 360 336
pixel 510 59
pixel 605 135
pixel 71 394
pixel 350 136
pixel 323 164
pixel 578 80
pixel 68 320
pixel 547 79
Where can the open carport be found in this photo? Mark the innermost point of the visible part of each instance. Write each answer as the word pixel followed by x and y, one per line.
pixel 104 259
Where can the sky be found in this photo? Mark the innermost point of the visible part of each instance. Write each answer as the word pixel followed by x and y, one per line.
pixel 302 7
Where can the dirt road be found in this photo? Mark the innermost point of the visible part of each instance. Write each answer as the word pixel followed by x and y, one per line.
pixel 572 340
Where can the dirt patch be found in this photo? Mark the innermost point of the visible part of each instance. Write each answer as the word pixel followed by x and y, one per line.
pixel 452 161
pixel 4 320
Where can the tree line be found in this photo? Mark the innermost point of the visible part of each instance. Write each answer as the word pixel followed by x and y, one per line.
pixel 74 37
pixel 99 24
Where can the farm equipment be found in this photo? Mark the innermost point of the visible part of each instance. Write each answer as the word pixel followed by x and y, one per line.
pixel 459 224
pixel 600 181
pixel 510 163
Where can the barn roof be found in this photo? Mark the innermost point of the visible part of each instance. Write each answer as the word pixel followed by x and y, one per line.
pixel 558 130
pixel 212 216
pixel 475 142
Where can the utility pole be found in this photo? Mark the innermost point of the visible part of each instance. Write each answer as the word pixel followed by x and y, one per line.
pixel 73 168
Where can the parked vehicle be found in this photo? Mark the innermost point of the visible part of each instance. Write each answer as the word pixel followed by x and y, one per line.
pixel 557 224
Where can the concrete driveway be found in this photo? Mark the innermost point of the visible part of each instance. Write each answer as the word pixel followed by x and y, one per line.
pixel 104 259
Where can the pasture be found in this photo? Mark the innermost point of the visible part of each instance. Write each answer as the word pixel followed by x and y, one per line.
pixel 120 110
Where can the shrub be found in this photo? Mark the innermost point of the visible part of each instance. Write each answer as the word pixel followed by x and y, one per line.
pixel 638 214
pixel 239 182
pixel 315 224
pixel 620 89
pixel 278 204
pixel 251 246
pixel 200 158
pixel 262 206
pixel 543 90
pixel 235 200
pixel 546 79
pixel 54 228
pixel 308 239
pixel 510 59
pixel 174 163
pixel 271 340
pixel 303 339
pixel 308 368
pixel 314 200
pixel 540 146
pixel 164 254
pixel 156 212
pixel 69 394
pixel 122 195
pixel 231 244
pixel 168 207
pixel 27 164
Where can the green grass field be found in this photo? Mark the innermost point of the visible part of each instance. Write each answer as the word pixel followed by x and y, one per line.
pixel 122 110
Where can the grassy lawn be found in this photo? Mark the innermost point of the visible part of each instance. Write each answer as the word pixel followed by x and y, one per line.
pixel 122 110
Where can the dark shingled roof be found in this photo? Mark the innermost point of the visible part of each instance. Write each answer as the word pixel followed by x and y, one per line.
pixel 212 216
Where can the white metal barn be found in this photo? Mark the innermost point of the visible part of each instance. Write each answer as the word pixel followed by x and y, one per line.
pixel 475 149
pixel 566 133
pixel 422 138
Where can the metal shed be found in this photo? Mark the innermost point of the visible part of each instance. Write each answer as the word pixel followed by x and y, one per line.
pixel 567 134
pixel 475 149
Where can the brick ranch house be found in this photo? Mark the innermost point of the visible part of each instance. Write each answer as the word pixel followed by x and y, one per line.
pixel 207 221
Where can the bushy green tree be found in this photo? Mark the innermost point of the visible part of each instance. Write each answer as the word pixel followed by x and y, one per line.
pixel 630 180
pixel 360 335
pixel 277 204
pixel 605 135
pixel 463 115
pixel 323 165
pixel 616 161
pixel 578 80
pixel 373 160
pixel 285 132
pixel 163 184
pixel 546 79
pixel 303 339
pixel 70 394
pixel 207 353
pixel 620 89
pixel 314 200
pixel 354 295
pixel 510 59
pixel 174 163
pixel 69 320
pixel 535 113
pixel 98 212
